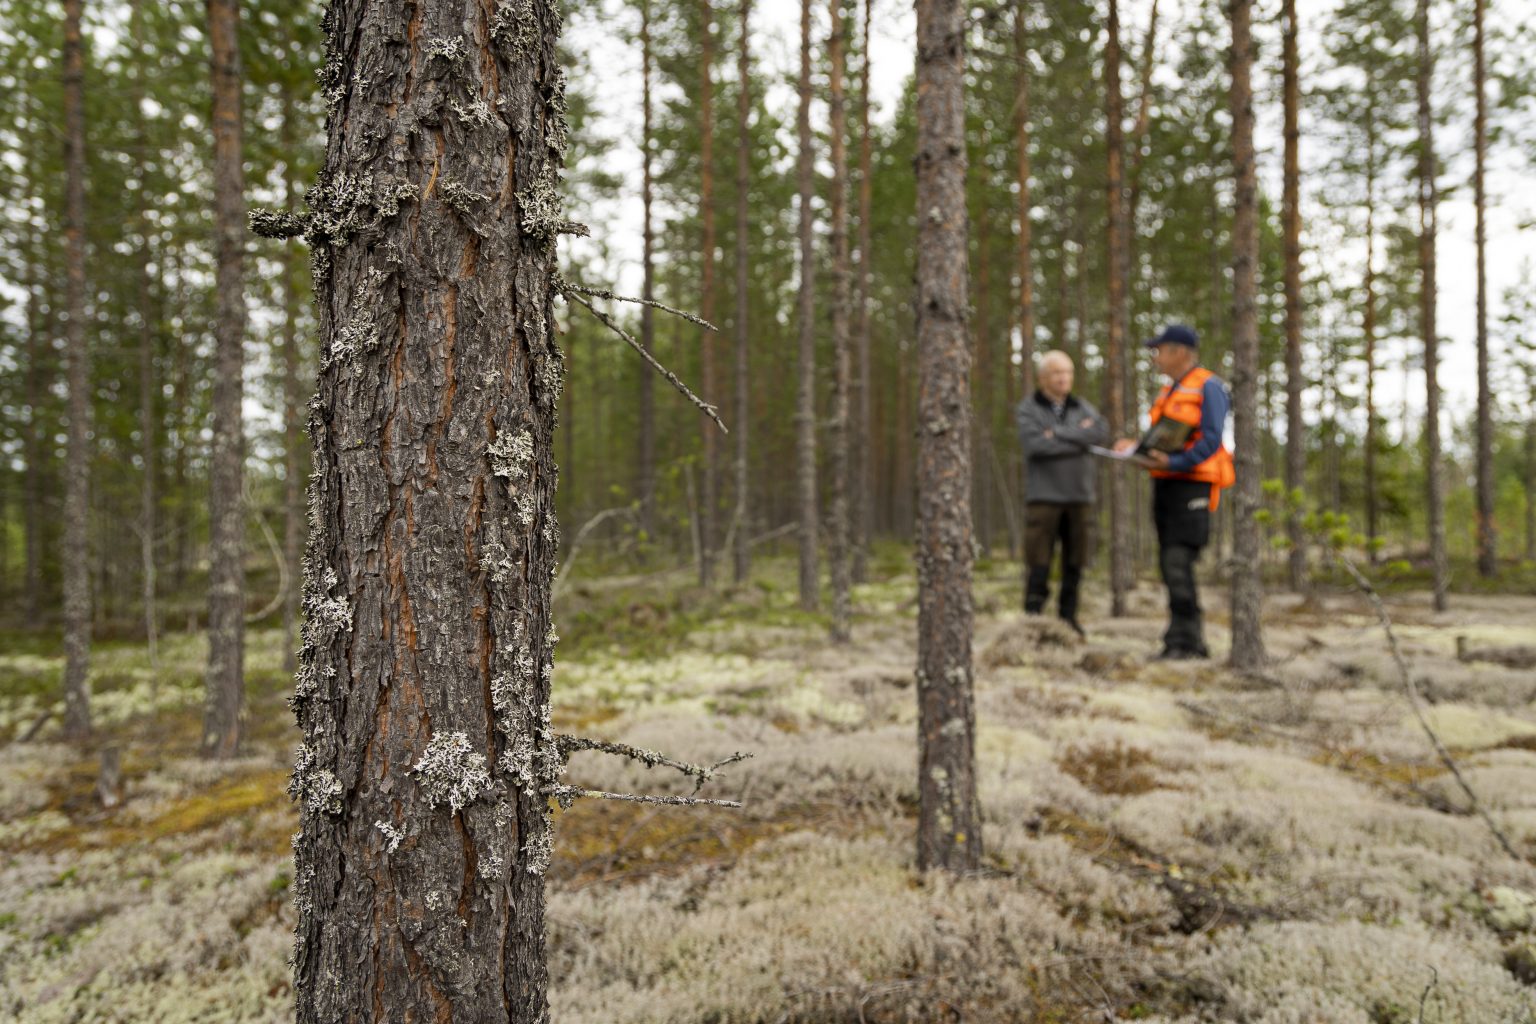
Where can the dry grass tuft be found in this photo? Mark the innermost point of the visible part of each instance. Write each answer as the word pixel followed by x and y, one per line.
pixel 1116 769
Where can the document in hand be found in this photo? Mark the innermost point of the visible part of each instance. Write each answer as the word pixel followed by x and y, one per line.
pixel 1166 435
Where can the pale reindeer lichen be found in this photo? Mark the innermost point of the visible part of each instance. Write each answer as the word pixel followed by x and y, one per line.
pixel 451 772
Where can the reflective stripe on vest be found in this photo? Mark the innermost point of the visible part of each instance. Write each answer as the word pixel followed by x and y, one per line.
pixel 1184 401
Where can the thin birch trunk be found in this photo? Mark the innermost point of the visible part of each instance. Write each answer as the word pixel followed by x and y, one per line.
pixel 1114 355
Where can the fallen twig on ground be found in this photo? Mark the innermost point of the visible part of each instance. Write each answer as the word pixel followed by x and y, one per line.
pixel 1417 704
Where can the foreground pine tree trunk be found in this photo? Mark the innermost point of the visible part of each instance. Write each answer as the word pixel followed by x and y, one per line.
pixel 423 687
pixel 949 821
pixel 77 471
pixel 222 724
pixel 1429 201
pixel 1247 640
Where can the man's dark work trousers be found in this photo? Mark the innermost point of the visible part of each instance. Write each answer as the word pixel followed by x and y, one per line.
pixel 1045 524
pixel 1181 510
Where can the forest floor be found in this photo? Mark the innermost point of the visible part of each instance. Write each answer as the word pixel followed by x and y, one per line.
pixel 1164 841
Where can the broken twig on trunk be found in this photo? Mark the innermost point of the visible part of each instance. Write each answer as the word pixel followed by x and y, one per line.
pixel 577 296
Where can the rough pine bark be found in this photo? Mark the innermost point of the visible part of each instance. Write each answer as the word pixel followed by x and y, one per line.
pixel 862 471
pixel 1295 436
pixel 647 433
pixel 1487 536
pixel 805 395
pixel 426 659
pixel 1120 575
pixel 741 550
pixel 1429 201
pixel 224 709
pixel 709 504
pixel 839 528
pixel 949 820
pixel 80 451
pixel 1247 637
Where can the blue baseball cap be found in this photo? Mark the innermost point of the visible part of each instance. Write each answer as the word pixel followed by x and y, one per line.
pixel 1175 334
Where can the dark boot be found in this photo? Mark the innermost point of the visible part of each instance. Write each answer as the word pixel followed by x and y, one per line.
pixel 1037 588
pixel 1186 633
pixel 1066 603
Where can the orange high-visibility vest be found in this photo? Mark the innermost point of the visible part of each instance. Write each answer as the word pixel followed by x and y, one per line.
pixel 1183 401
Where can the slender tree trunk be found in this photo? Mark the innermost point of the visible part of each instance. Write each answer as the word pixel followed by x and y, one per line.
pixel 1369 330
pixel 1025 252
pixel 224 711
pixel 81 450
pixel 1114 356
pixel 742 551
pixel 647 438
pixel 1487 535
pixel 863 471
pixel 949 820
pixel 38 341
pixel 423 687
pixel 709 503
pixel 1530 482
pixel 148 496
pixel 1138 485
pixel 805 398
pixel 1429 200
pixel 1295 382
pixel 1247 638
pixel 293 456
pixel 981 392
pixel 839 529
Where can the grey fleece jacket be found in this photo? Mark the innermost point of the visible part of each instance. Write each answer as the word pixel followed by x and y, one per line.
pixel 1060 470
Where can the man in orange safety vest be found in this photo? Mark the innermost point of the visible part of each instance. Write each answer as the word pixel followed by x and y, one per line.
pixel 1187 484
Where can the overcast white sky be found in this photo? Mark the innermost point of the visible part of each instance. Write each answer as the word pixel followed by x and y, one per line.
pixel 1511 241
